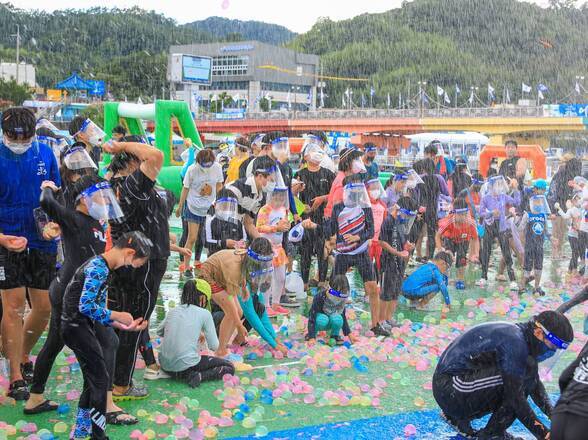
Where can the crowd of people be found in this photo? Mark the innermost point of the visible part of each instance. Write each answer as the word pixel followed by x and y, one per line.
pixel 87 255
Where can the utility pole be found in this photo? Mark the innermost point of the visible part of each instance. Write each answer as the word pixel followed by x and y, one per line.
pixel 17 35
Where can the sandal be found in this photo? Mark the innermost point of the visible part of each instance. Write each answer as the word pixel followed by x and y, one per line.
pixel 114 418
pixel 46 406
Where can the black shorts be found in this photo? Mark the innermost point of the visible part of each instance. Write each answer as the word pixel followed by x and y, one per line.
pixel 392 278
pixel 460 250
pixel 533 253
pixel 31 268
pixel 361 262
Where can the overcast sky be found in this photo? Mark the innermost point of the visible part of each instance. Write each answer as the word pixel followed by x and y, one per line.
pixel 296 15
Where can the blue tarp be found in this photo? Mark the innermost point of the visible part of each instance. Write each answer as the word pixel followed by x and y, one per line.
pixel 74 82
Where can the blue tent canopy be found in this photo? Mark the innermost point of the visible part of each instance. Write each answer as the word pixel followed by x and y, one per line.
pixel 74 82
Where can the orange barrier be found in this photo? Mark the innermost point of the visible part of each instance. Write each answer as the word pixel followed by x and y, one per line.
pixel 533 153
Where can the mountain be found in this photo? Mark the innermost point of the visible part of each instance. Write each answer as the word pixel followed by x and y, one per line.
pixel 221 27
pixel 448 42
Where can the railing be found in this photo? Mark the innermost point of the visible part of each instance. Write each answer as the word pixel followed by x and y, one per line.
pixel 483 112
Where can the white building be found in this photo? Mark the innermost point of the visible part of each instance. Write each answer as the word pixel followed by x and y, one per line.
pixel 26 73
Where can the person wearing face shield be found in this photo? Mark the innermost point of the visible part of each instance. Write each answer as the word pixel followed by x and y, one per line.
pixel 396 187
pixel 493 210
pixel 396 248
pixel 370 152
pixel 234 277
pixel 47 133
pixel 428 280
pixel 84 310
pixel 535 226
pixel 224 229
pixel 327 312
pixel 492 368
pixel 350 163
pixel 317 182
pixel 455 234
pixel 83 233
pixel 85 131
pixel 376 193
pixel 202 182
pixel 30 264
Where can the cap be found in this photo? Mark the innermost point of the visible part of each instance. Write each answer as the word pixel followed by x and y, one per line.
pixel 204 287
pixel 540 184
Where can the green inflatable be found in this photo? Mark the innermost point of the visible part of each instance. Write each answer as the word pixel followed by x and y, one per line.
pixel 162 113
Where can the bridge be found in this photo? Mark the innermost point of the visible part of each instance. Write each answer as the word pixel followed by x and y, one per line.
pixel 529 123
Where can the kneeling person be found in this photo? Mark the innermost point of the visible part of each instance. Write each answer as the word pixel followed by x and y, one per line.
pixel 428 280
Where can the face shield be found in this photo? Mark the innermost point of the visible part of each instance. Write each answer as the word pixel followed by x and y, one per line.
pixel 313 153
pixel 278 198
pixel 579 182
pixel 335 301
pixel 226 209
pixel 406 219
pixel 259 269
pixel 281 149
pixel 274 180
pixel 538 205
pixel 358 167
pixel 553 350
pixel 257 143
pixel 461 215
pixel 93 133
pixel 412 179
pixel 101 202
pixel 77 158
pixel 355 195
pixel 375 189
pixel 44 123
pixel 296 233
pixel 497 185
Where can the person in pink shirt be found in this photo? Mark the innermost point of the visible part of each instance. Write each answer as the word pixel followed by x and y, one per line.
pixel 376 192
pixel 349 163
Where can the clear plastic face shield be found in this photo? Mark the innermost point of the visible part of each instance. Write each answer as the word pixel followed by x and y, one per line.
pixel 461 215
pixel 579 182
pixel 375 189
pixel 274 179
pixel 259 271
pixel 101 202
pixel 554 349
pixel 296 233
pixel 497 186
pixel 355 195
pixel 337 299
pixel 412 179
pixel 281 149
pixel 358 167
pixel 314 154
pixel 77 158
pixel 44 123
pixel 406 219
pixel 538 205
pixel 278 198
pixel 227 209
pixel 92 132
pixel 257 143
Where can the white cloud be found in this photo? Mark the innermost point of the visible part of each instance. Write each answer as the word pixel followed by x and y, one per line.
pixel 297 15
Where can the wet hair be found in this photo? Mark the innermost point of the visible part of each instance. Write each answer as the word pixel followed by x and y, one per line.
pixel 18 121
pixel 369 145
pixel 242 141
pixel 272 136
pixel 340 283
pixel 573 168
pixel 82 184
pixel 121 161
pixel 191 295
pixel 321 135
pixel 261 246
pixel 557 323
pixel 134 138
pixel 511 142
pixel 425 166
pixel 136 241
pixel 225 193
pixel 432 148
pixel 459 203
pixel 263 163
pixel 119 129
pixel 76 124
pixel 205 155
pixel 347 156
pixel 408 203
pixel 354 178
pixel 445 257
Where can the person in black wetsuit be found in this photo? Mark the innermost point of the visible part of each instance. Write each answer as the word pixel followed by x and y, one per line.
pixel 224 229
pixel 83 236
pixel 492 368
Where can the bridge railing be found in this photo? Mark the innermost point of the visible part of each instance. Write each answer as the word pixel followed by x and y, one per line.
pixel 487 112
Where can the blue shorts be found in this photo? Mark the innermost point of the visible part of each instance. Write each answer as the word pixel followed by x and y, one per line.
pixel 191 217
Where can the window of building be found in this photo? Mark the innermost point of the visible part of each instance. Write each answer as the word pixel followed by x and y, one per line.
pixel 282 87
pixel 230 65
pixel 227 85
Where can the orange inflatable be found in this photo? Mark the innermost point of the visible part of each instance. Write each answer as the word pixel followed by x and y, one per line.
pixel 533 153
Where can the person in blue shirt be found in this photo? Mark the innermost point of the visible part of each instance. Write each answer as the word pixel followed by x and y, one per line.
pixel 84 306
pixel 24 164
pixel 369 157
pixel 493 367
pixel 535 221
pixel 428 280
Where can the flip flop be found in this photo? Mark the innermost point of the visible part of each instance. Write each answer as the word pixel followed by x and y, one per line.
pixel 112 418
pixel 46 406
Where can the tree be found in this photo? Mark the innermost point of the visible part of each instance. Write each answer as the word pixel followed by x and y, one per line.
pixel 95 112
pixel 12 93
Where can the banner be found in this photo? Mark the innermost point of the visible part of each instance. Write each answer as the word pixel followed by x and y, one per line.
pixel 54 95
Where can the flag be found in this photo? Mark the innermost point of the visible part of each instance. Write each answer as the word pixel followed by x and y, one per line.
pixel 322 98
pixel 577 87
pixel 388 100
pixel 440 91
pixel 491 95
pixel 399 99
pixel 309 97
pixel 343 103
pixel 457 90
pixel 363 102
pixel 372 92
pixel 542 88
pixel 540 95
pixel 446 98
pixel 526 88
pixel 425 98
pixel 289 100
pixel 471 98
pixel 507 97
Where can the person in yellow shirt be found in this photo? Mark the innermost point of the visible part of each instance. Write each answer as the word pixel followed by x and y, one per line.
pixel 242 153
